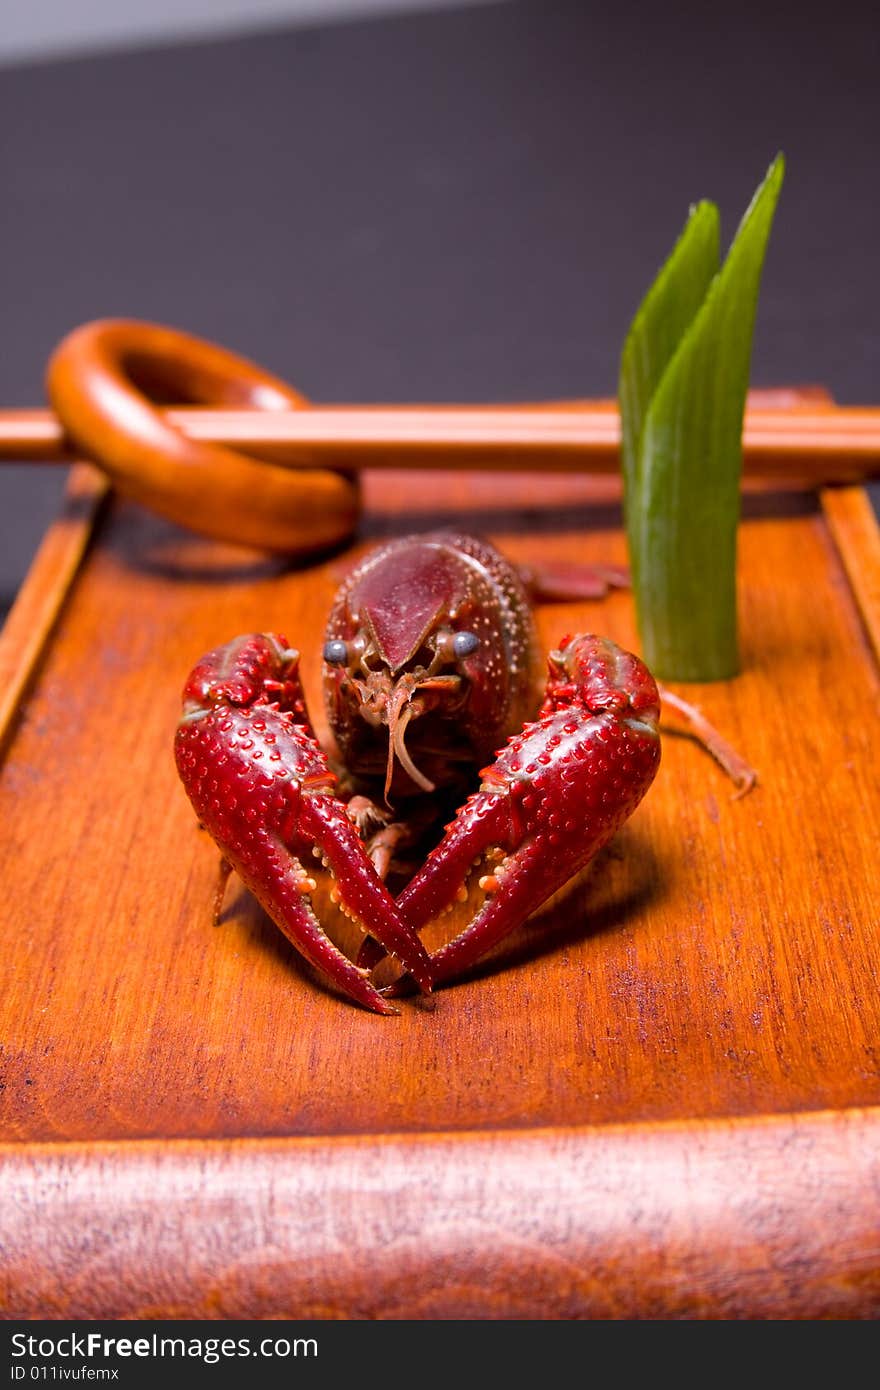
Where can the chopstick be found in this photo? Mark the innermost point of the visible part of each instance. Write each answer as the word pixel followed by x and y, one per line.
pixel 831 444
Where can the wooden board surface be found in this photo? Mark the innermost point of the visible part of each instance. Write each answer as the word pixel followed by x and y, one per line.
pixel 718 964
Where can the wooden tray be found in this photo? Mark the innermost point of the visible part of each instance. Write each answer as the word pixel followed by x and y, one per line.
pixel 656 1101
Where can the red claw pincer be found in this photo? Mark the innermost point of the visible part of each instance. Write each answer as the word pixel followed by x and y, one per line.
pixel 556 794
pixel 261 785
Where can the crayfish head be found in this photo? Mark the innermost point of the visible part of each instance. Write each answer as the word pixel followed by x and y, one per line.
pixel 367 689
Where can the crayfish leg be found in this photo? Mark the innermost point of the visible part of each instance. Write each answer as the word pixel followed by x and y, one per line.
pixel 381 848
pixel 223 872
pixel 558 583
pixel 382 837
pixel 741 774
pixel 384 846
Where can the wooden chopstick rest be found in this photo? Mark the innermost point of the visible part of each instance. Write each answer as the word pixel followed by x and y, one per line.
pixel 104 380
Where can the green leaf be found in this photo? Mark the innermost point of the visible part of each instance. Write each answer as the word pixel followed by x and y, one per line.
pixel 666 311
pixel 684 378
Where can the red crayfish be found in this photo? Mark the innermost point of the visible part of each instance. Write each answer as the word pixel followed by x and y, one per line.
pixel 431 665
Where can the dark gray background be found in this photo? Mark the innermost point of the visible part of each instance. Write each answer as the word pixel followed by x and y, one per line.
pixel 465 205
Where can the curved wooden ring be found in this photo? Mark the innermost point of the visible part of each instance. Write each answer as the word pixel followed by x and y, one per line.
pixel 103 381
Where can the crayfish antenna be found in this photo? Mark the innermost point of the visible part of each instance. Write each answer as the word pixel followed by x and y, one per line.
pixel 399 714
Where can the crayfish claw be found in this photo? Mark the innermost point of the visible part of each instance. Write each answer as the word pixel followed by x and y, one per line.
pixel 261 785
pixel 555 796
pixel 282 887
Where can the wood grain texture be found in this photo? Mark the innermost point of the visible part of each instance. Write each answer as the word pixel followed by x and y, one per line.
pixel 30 621
pixel 764 1218
pixel 719 962
pixel 853 524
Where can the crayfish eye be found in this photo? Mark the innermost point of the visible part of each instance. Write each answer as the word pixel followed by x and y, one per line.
pixel 464 644
pixel 336 652
pixel 450 647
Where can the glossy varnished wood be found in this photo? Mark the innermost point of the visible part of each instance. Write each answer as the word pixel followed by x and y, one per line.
pixel 31 620
pixel 662 1221
pixel 819 446
pixel 719 964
